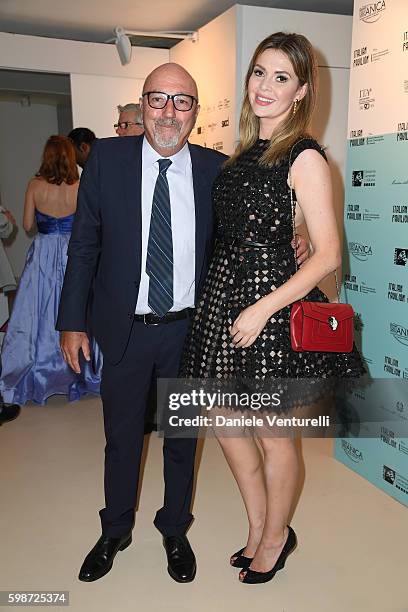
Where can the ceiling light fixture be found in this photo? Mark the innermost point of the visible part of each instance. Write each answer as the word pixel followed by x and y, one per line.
pixel 124 46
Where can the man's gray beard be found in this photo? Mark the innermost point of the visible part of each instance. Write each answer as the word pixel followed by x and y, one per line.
pixel 171 141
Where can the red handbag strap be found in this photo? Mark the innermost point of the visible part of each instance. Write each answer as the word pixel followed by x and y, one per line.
pixel 293 203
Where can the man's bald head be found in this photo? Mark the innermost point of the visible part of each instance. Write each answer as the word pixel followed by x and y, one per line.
pixel 171 72
pixel 167 129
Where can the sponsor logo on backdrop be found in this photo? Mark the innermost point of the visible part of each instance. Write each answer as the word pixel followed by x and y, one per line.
pixel 400 257
pixel 391 366
pixel 394 478
pixel 388 437
pixel 399 213
pixel 361 141
pixel 378 55
pixel 352 452
pixel 357 178
pixel 360 251
pixel 400 333
pixel 372 140
pixel 356 133
pixel 405 41
pixel 363 178
pixel 224 104
pixel 365 99
pixel 351 283
pixel 218 146
pixel 357 142
pixel 389 474
pixel 402 131
pixel 396 292
pixel 360 57
pixel 372 11
pixel 212 126
pixel 225 123
pixel 356 213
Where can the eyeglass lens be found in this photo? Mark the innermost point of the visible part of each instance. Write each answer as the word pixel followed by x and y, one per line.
pixel 182 102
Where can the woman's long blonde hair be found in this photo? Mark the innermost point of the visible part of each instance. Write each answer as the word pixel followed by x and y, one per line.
pixel 300 53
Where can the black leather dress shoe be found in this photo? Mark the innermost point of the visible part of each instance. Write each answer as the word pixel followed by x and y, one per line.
pixel 8 412
pixel 181 563
pixel 99 561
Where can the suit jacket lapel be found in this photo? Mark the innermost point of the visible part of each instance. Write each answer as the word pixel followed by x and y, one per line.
pixel 202 202
pixel 132 179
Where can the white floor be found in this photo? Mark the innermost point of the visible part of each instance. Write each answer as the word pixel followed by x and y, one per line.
pixel 353 538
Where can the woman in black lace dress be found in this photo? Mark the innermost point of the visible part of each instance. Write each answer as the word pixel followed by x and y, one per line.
pixel 241 325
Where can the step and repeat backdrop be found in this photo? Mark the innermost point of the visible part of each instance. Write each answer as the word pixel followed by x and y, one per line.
pixel 376 240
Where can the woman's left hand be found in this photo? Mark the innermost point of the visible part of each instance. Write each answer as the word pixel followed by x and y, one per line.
pixel 248 325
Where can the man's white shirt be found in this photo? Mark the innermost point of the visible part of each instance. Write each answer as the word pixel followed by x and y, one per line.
pixel 180 180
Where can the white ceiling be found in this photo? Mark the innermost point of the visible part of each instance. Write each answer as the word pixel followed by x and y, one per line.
pixel 94 20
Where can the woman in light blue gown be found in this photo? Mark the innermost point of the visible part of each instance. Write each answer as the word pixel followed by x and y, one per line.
pixel 33 368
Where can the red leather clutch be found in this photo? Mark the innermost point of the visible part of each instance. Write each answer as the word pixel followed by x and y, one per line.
pixel 318 326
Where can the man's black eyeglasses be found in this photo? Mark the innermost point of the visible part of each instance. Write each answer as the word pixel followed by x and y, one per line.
pixel 123 125
pixel 159 99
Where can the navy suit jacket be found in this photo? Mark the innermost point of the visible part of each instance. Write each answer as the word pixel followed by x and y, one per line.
pixel 104 254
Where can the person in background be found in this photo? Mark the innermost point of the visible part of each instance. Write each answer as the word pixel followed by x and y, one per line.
pixel 8 412
pixel 130 122
pixel 82 139
pixel 33 368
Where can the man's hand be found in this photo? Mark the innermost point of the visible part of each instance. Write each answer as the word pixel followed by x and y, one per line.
pixel 301 246
pixel 70 343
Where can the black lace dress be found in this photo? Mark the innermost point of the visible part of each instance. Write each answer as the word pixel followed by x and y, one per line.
pixel 253 203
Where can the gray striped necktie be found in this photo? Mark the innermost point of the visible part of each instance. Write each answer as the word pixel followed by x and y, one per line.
pixel 159 261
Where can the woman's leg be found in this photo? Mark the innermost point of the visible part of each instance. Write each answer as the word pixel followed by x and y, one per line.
pixel 281 473
pixel 243 457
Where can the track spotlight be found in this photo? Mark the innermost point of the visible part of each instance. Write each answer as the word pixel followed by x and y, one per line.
pixel 124 46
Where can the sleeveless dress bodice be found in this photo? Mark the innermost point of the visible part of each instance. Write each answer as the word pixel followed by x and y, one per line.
pixel 47 224
pixel 253 256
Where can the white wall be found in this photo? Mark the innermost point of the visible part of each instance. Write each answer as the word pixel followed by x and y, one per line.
pixel 24 130
pixel 104 93
pixel 71 56
pixel 212 62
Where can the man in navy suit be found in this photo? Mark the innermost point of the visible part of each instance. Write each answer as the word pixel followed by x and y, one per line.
pixel 108 251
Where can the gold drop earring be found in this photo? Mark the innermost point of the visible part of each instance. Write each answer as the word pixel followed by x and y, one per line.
pixel 295 103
